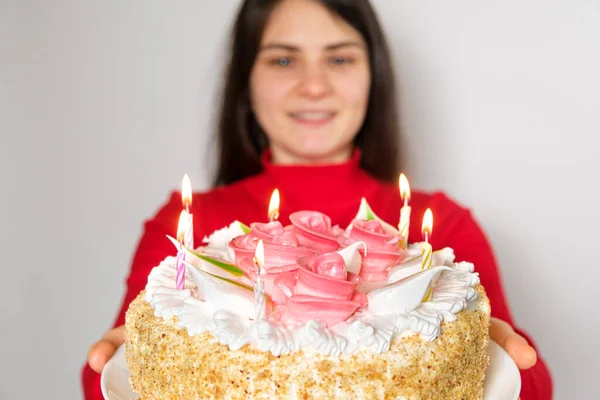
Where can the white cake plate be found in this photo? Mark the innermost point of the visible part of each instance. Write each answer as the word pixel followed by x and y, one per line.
pixel 502 380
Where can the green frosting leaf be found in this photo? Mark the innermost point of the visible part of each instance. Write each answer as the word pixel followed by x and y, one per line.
pixel 370 215
pixel 221 264
pixel 239 284
pixel 365 212
pixel 245 228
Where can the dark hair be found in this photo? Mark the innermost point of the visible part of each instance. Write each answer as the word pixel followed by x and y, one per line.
pixel 240 139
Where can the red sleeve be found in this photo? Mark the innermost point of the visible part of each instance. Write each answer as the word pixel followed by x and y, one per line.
pixel 152 249
pixel 457 228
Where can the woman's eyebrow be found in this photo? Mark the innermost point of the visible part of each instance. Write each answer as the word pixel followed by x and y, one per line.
pixel 279 46
pixel 347 43
pixel 294 48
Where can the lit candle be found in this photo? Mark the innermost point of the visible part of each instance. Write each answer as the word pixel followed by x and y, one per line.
pixel 274 206
pixel 181 229
pixel 426 249
pixel 186 199
pixel 404 211
pixel 260 311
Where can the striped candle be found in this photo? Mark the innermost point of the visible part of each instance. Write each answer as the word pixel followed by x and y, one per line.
pixel 260 311
pixel 180 278
pixel 426 248
pixel 182 228
pixel 426 252
pixel 188 236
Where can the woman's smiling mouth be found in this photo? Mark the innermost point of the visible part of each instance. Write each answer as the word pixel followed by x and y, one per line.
pixel 313 118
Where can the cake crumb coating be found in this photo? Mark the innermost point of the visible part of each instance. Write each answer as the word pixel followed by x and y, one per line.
pixel 166 363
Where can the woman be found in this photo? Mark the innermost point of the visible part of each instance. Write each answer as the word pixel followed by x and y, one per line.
pixel 309 108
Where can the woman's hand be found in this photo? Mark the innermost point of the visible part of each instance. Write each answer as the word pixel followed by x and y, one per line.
pixel 101 351
pixel 515 345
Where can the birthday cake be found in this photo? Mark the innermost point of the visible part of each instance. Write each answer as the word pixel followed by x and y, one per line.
pixel 309 310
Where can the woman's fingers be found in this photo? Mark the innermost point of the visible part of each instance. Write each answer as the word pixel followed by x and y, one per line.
pixel 515 345
pixel 101 351
pixel 99 354
pixel 520 351
pixel 499 330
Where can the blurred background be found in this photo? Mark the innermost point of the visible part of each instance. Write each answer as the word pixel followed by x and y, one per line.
pixel 104 105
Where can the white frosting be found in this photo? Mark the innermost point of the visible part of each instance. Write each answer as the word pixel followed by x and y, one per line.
pixel 404 295
pixel 228 297
pixel 218 240
pixel 412 263
pixel 352 257
pixel 226 311
pixel 208 303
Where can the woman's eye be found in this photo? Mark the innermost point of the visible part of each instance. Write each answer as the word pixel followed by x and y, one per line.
pixel 340 60
pixel 281 61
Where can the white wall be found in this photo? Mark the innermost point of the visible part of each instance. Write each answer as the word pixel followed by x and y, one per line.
pixel 105 104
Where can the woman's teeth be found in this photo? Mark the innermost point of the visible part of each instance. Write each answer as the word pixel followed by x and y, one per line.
pixel 312 116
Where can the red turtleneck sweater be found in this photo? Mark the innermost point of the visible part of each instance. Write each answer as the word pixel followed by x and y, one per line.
pixel 335 190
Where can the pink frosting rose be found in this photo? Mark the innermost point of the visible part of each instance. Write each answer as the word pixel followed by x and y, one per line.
pixel 322 289
pixel 243 246
pixel 272 232
pixel 278 260
pixel 285 238
pixel 313 230
pixel 266 231
pixel 383 251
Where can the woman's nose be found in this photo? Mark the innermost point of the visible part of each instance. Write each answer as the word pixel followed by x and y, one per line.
pixel 314 82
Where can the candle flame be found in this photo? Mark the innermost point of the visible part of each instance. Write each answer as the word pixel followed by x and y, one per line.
pixel 181 226
pixel 404 188
pixel 186 191
pixel 427 227
pixel 259 255
pixel 274 205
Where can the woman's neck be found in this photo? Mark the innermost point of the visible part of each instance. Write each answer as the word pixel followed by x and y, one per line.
pixel 322 187
pixel 281 156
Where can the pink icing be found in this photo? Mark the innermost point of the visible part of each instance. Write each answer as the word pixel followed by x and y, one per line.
pixel 383 251
pixel 276 255
pixel 321 289
pixel 333 270
pixel 278 261
pixel 313 230
pixel 266 231
pixel 243 246
pixel 285 238
pixel 304 277
pixel 270 287
pixel 270 233
pixel 372 233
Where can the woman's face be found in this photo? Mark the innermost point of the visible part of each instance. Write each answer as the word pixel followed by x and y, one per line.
pixel 309 86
